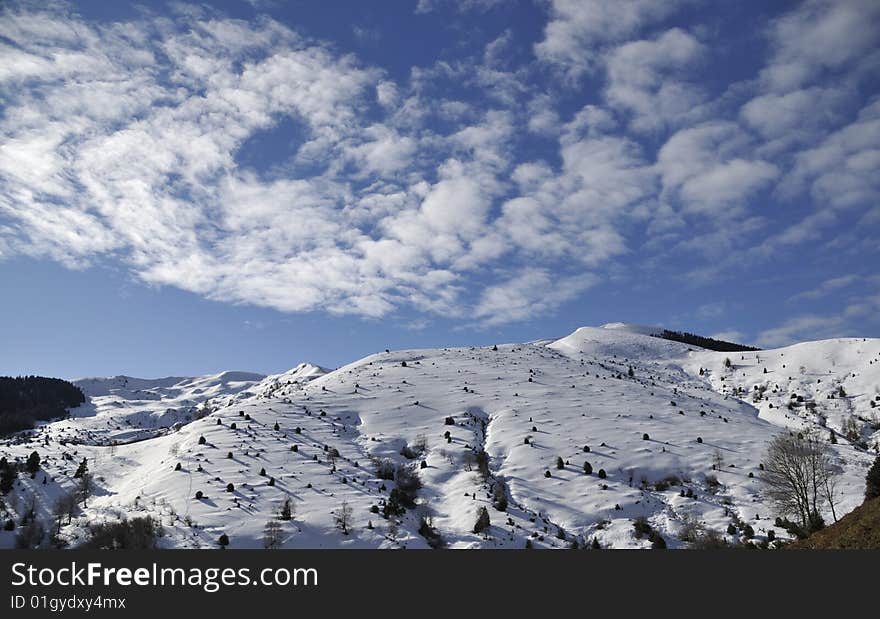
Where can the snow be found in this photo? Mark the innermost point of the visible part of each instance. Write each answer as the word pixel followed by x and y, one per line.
pixel 561 394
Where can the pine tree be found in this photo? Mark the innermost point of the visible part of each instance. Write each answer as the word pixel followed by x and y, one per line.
pixel 287 509
pixel 33 463
pixel 872 481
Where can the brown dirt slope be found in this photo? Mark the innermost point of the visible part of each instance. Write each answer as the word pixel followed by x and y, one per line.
pixel 858 530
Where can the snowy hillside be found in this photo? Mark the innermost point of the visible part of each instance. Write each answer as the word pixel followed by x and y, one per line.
pixel 123 409
pixel 561 443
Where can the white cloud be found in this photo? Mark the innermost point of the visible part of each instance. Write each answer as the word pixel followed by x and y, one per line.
pixel 462 6
pixel 708 167
pixel 802 328
pixel 841 170
pixel 579 29
pixel 827 287
pixel 645 78
pixel 528 293
pixel 731 335
pixel 820 35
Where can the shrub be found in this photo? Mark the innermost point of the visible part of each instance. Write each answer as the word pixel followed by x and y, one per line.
pixel 602 474
pixel 641 527
pixel 657 541
pixel 482 520
pixel 588 468
pixel 645 437
pixel 431 535
pixel 449 421
pixel 559 463
pixel 223 540
pixel 202 440
pixel 30 535
pixel 134 534
pixel 199 495
pixel 499 496
pixel 230 487
pixel 385 469
pixel 709 539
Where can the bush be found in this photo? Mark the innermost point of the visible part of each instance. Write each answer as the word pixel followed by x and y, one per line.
pixel 30 535
pixel 431 535
pixel 559 463
pixel 385 469
pixel 202 440
pixel 642 527
pixel 588 468
pixel 709 539
pixel 134 534
pixel 499 496
pixel 223 540
pixel 199 495
pixel 230 487
pixel 482 520
pixel 657 541
pixel 602 474
pixel 449 421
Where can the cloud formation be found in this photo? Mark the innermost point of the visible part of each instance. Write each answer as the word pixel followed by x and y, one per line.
pixel 247 163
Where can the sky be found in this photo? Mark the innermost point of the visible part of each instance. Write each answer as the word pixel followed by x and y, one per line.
pixel 187 188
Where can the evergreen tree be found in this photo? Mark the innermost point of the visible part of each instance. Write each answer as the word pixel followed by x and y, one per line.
pixel 872 481
pixel 33 463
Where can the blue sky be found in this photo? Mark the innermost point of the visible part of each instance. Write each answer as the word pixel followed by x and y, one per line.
pixel 187 188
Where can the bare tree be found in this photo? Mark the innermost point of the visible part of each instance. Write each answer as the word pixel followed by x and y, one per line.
pixel 272 535
pixel 829 490
pixel 799 475
pixel 343 517
pixel 393 529
pixel 85 487
pixel 65 505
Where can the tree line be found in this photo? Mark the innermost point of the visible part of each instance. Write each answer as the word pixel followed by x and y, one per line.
pixel 24 400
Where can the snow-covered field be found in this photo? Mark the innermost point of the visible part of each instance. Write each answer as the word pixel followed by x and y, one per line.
pixel 641 409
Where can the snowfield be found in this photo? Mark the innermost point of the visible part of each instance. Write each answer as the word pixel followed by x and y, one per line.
pixel 678 433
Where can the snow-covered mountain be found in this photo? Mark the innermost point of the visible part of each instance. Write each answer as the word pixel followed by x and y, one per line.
pixel 668 431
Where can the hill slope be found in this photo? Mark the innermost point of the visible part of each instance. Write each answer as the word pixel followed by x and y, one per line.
pixel 859 529
pixel 674 444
